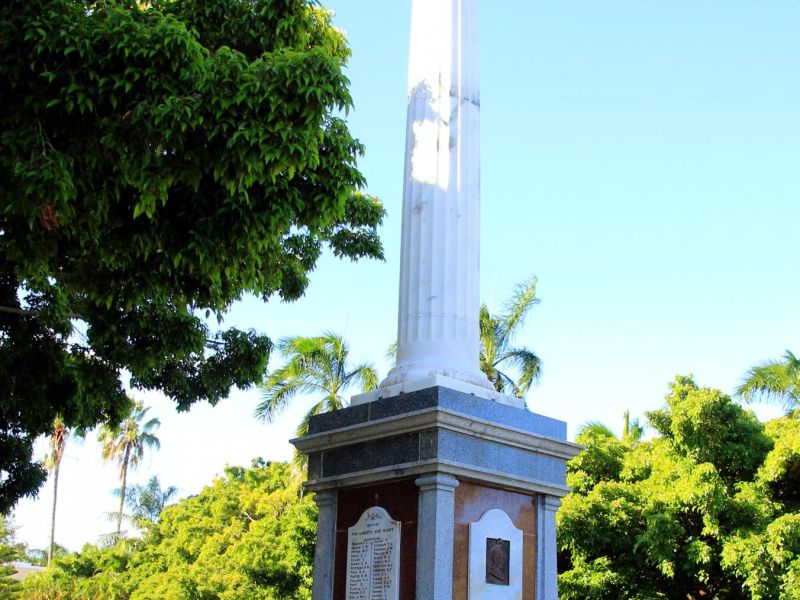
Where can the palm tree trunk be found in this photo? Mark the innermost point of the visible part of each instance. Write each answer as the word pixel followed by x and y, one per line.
pixel 122 488
pixel 50 548
pixel 626 426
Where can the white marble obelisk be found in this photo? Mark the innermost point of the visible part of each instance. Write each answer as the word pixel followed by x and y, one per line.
pixel 423 436
pixel 438 331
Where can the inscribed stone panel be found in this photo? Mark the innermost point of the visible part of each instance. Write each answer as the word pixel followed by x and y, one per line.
pixel 373 557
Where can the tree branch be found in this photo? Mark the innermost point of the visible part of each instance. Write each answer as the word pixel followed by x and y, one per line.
pixel 13 310
pixel 246 514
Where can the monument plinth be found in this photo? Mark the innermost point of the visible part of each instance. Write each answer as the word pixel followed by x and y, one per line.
pixel 437 460
pixel 436 486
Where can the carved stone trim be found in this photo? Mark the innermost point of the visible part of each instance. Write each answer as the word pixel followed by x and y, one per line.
pixel 437 418
pixel 462 471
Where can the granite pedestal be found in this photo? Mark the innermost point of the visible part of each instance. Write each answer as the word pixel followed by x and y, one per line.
pixel 436 460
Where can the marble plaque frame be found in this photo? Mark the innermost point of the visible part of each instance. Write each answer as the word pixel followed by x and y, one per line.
pixel 373 557
pixel 494 524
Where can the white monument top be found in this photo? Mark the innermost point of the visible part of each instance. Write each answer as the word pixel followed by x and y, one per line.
pixel 438 327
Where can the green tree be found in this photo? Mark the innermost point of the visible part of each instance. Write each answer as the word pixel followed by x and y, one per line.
pixel 146 502
pixel 775 380
pixel 317 366
pixel 39 557
pixel 601 460
pixel 766 554
pixel 125 444
pixel 497 332
pixel 158 160
pixel 632 430
pixel 9 552
pixel 706 509
pixel 708 427
pixel 250 534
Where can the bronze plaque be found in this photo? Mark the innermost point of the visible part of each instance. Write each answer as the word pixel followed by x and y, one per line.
pixel 497 561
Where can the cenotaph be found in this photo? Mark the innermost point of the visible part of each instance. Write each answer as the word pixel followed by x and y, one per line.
pixel 435 486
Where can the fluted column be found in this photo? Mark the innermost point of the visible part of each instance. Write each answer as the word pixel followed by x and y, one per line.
pixel 439 273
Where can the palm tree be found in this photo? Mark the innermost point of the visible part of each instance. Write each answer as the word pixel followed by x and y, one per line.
pixel 774 380
pixel 58 441
pixel 147 501
pixel 497 334
pixel 315 365
pixel 596 428
pixel 125 445
pixel 632 431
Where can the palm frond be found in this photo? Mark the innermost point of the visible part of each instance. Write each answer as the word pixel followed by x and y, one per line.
pixel 635 432
pixel 332 403
pixel 485 319
pixel 523 299
pixel 126 442
pixel 314 360
pixel 391 352
pixel 773 381
pixel 294 369
pixel 58 440
pixel 490 336
pixel 300 461
pixel 149 440
pixel 497 333
pixel 151 425
pixel 528 364
pixel 363 375
pixel 277 394
pixel 504 383
pixel 338 351
pixel 314 365
pixel 595 428
pixel 292 345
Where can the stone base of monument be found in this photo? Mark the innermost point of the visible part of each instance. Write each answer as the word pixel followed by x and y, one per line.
pixel 436 494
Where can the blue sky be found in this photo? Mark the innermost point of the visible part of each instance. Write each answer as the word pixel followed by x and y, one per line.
pixel 641 158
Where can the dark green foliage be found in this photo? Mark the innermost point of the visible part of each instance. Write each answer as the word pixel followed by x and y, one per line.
pixel 248 535
pixel 707 510
pixel 157 161
pixel 9 552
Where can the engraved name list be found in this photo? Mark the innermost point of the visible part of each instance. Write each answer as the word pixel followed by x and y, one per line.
pixel 373 557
